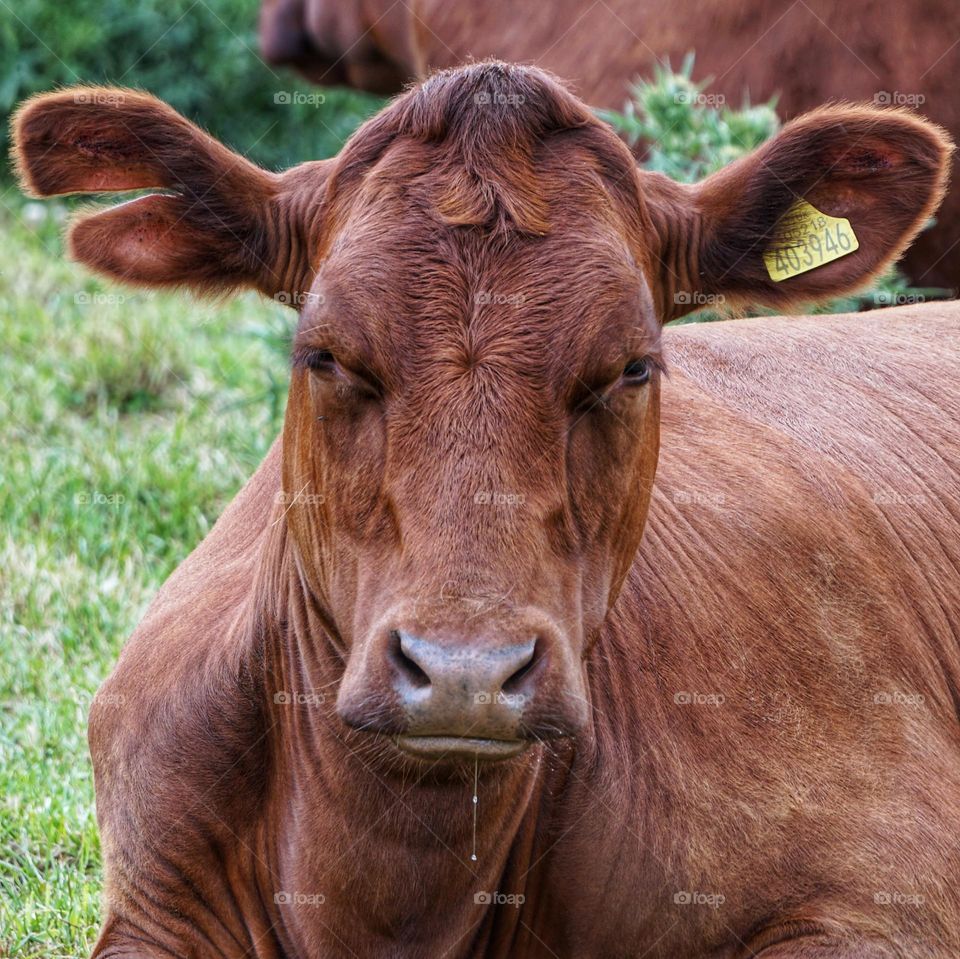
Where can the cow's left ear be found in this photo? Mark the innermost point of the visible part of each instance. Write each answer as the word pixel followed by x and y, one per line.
pixel 220 223
pixel 814 213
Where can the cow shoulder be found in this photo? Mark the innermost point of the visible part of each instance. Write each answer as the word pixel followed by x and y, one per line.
pixel 870 406
pixel 173 734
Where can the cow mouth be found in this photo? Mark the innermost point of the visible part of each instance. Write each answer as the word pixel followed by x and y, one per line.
pixel 461 747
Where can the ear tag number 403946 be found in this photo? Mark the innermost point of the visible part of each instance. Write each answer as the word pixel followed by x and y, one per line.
pixel 806 239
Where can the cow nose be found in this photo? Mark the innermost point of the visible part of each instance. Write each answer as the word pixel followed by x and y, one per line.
pixel 428 669
pixel 481 690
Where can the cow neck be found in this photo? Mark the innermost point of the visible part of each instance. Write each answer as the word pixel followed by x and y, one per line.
pixel 331 773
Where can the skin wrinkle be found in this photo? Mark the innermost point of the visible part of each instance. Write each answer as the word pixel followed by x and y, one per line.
pixel 490 487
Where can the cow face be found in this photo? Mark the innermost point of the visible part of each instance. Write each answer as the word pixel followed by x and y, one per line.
pixel 472 428
pixel 479 417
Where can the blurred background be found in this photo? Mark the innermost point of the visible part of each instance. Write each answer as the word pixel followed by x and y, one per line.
pixel 130 419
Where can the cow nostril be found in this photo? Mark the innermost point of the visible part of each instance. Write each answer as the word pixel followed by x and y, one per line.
pixel 529 664
pixel 405 665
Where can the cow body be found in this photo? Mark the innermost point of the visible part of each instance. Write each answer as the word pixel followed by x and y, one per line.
pixel 775 762
pixel 805 54
pixel 729 731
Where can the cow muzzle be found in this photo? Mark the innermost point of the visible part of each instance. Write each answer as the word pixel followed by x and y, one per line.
pixel 463 698
pixel 447 696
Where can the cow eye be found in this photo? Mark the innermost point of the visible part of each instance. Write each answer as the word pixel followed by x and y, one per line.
pixel 637 372
pixel 319 360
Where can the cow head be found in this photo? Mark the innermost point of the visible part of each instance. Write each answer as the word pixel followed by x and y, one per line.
pixel 481 278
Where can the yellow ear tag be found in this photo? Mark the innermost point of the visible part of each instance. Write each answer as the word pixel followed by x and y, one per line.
pixel 806 239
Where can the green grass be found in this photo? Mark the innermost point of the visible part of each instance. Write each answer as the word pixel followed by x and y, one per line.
pixel 128 422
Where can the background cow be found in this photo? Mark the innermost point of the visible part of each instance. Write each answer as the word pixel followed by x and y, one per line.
pixel 805 53
pixel 740 740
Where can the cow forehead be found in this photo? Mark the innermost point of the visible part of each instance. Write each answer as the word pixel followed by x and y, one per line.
pixel 420 291
pixel 438 252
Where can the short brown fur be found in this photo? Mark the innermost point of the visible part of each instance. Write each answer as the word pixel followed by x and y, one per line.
pixel 740 734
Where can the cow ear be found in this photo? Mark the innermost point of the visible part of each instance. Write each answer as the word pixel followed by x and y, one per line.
pixel 814 213
pixel 221 222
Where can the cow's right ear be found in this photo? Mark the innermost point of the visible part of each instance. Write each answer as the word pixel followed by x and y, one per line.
pixel 221 222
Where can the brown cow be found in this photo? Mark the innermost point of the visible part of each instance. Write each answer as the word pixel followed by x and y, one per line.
pixel 806 53
pixel 739 740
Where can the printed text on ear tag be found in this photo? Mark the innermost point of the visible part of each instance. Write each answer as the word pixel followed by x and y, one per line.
pixel 806 239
